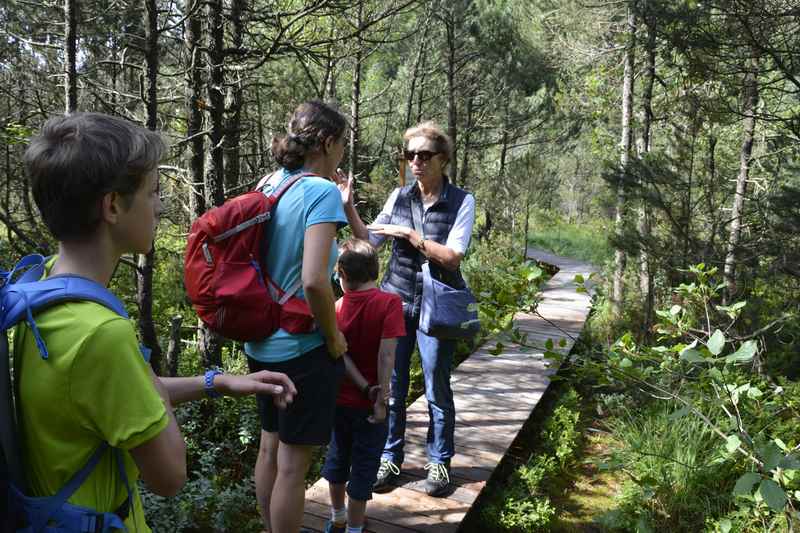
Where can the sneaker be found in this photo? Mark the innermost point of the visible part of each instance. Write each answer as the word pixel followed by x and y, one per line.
pixel 387 472
pixel 438 479
pixel 332 527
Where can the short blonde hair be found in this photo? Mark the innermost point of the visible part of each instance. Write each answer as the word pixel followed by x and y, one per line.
pixel 431 130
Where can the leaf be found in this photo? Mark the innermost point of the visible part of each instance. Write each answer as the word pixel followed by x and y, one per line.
pixel 773 494
pixel 692 356
pixel 745 353
pixel 683 411
pixel 562 343
pixel 498 349
pixel 716 343
pixel 625 363
pixel 771 455
pixel 579 279
pixel 744 485
pixel 715 374
pixel 534 273
pixel 725 525
pixel 675 309
pixel 754 392
pixel 790 462
pixel 733 443
pixel 548 344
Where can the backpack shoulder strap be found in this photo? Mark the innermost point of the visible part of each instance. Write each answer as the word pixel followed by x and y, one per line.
pixel 21 300
pixel 12 454
pixel 287 184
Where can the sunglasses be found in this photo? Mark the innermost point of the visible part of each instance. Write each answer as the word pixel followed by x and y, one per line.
pixel 423 155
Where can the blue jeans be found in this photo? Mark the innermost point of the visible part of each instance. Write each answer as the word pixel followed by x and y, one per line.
pixel 354 452
pixel 437 357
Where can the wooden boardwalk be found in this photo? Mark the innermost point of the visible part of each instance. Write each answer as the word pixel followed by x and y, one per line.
pixel 494 396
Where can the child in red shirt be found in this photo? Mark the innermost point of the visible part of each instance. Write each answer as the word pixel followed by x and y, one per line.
pixel 371 321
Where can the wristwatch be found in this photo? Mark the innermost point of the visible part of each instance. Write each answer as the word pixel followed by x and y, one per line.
pixel 208 379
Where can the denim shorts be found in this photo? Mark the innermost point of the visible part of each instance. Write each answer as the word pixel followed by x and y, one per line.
pixel 354 453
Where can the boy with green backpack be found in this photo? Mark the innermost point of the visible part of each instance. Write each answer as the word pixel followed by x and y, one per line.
pixel 91 416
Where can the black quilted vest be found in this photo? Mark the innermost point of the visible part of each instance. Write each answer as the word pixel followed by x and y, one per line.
pixel 404 274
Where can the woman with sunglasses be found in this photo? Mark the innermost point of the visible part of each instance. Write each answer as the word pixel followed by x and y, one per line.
pixel 447 214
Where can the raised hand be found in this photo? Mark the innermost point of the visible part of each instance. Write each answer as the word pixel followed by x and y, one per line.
pixel 345 186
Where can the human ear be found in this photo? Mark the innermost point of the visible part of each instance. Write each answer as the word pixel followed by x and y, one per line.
pixel 111 207
pixel 328 144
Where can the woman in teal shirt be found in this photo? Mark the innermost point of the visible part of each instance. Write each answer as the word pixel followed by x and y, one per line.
pixel 302 237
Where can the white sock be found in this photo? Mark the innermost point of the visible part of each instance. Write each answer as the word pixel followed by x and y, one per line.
pixel 339 516
pixel 358 529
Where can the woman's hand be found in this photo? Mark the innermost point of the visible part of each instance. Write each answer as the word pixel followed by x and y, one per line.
pixel 274 384
pixel 391 230
pixel 345 186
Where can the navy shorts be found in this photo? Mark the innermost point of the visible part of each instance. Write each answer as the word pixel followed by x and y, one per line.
pixel 354 453
pixel 309 418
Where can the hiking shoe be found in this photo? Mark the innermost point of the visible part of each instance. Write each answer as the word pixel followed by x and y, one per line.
pixel 438 479
pixel 331 527
pixel 387 472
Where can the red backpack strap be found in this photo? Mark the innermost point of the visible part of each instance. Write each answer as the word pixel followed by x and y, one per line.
pixel 277 193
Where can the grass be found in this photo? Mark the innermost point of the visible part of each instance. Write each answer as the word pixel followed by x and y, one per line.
pixel 587 241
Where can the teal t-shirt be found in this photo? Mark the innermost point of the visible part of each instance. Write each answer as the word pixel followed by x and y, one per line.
pixel 312 200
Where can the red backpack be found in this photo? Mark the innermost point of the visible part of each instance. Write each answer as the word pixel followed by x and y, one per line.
pixel 225 272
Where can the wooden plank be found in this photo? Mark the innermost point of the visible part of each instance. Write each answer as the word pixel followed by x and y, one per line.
pixel 494 397
pixel 318 514
pixel 406 508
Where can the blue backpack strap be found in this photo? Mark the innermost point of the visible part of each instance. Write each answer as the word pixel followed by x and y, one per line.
pixel 20 299
pixel 60 498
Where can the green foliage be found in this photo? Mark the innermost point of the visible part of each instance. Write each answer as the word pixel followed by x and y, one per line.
pixel 586 241
pixel 702 418
pixel 523 502
pixel 670 464
pixel 502 284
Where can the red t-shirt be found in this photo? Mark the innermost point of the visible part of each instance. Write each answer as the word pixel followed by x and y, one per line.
pixel 366 317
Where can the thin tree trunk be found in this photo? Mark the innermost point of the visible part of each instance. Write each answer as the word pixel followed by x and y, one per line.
pixel 620 258
pixel 194 114
pixel 233 106
pixel 146 263
pixel 711 166
pixel 467 137
pixel 422 83
pixel 215 169
pixel 71 8
pixel 262 152
pixel 418 62
pixel 452 111
pixel 211 343
pixel 645 274
pixel 174 347
pixel 355 98
pixel 750 97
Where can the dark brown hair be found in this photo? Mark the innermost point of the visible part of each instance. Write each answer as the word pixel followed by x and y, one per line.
pixel 358 260
pixel 77 159
pixel 311 123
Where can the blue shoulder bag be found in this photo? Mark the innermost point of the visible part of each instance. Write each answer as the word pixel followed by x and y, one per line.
pixel 446 312
pixel 19 300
